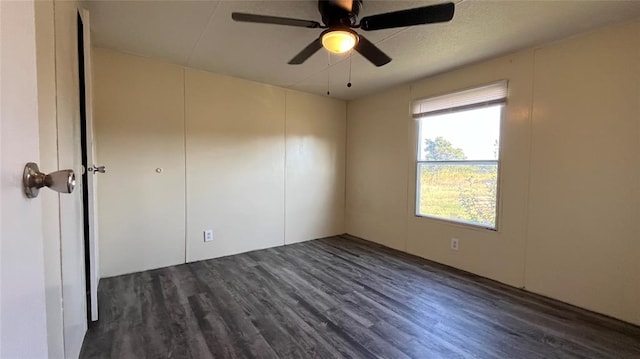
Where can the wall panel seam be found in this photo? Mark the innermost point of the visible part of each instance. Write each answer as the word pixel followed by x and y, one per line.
pixel 184 134
pixel 284 177
pixel 527 219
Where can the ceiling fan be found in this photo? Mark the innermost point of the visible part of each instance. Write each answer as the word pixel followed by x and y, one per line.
pixel 340 17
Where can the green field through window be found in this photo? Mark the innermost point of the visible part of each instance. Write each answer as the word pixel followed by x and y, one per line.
pixel 457 167
pixel 459 192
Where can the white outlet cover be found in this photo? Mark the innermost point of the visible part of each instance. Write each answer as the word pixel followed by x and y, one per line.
pixel 454 244
pixel 208 235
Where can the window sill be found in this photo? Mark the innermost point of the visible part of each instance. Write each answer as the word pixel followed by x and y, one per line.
pixel 460 224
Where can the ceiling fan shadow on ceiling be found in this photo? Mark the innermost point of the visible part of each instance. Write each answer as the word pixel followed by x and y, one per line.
pixel 340 17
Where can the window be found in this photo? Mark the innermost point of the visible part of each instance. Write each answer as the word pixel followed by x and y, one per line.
pixel 458 157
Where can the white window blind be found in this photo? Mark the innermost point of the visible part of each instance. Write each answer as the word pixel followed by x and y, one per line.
pixel 486 95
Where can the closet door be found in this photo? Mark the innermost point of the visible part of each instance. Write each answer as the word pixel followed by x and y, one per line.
pixel 139 119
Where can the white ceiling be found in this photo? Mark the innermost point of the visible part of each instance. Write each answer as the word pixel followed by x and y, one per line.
pixel 201 34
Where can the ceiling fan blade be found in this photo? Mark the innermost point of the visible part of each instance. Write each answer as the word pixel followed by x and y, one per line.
pixel 275 20
pixel 418 16
pixel 371 52
pixel 306 53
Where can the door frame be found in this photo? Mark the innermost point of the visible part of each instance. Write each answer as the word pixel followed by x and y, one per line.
pixel 92 273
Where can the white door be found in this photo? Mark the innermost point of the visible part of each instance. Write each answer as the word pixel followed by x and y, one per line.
pixel 72 246
pixel 22 291
pixel 94 275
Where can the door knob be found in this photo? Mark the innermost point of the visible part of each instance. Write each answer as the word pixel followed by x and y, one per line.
pixel 63 181
pixel 96 169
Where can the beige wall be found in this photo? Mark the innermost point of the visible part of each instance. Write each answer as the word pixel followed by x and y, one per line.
pixel 377 172
pixel 234 148
pixel 315 166
pixel 584 203
pixel 570 173
pixel 235 165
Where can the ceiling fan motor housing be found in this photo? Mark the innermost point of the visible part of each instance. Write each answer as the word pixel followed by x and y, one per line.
pixel 339 13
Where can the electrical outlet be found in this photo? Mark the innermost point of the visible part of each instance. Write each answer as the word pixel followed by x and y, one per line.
pixel 208 235
pixel 454 244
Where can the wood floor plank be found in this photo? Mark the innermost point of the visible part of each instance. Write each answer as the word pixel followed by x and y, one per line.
pixel 339 297
pixel 293 315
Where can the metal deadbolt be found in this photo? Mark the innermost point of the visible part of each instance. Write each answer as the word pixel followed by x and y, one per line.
pixel 97 169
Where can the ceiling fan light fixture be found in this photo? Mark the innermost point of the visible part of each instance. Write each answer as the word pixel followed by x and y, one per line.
pixel 339 41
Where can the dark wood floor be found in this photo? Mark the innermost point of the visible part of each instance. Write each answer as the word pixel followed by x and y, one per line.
pixel 339 298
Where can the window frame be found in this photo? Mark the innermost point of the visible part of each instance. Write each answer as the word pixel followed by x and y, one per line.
pixel 483 104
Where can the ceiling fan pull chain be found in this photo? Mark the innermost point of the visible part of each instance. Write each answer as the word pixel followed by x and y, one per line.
pixel 328 71
pixel 350 56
